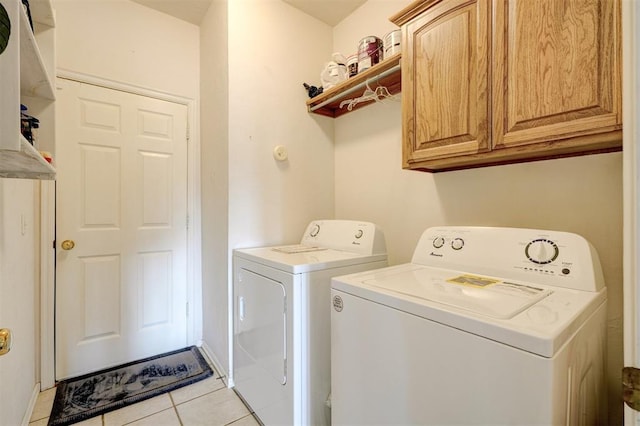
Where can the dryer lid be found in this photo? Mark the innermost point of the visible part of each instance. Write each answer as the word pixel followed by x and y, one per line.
pixel 482 295
pixel 297 259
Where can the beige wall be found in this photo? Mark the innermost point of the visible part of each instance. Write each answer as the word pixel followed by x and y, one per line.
pixel 275 48
pixel 581 195
pixel 128 43
pixel 269 49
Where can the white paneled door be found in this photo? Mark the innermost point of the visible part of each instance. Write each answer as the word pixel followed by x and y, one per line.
pixel 121 227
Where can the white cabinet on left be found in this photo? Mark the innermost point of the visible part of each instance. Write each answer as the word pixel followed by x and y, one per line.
pixel 25 78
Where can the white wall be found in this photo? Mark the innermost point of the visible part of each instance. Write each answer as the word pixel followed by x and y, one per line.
pixel 128 43
pixel 581 195
pixel 273 49
pixel 18 296
pixel 214 168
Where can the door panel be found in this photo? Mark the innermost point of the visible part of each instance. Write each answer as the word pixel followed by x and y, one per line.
pixel 101 297
pixel 555 70
pixel 18 286
pixel 100 187
pixel 261 323
pixel 263 352
pixel 122 185
pixel 446 101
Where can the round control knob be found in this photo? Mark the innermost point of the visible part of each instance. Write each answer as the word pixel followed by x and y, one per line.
pixel 359 234
pixel 315 230
pixel 457 243
pixel 541 251
pixel 438 242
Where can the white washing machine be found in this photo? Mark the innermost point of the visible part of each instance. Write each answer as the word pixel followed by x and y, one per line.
pixel 485 326
pixel 281 361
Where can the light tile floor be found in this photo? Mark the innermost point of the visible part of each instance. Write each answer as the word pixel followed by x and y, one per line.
pixel 205 403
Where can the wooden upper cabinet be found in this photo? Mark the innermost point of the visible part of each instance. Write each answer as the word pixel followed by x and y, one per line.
pixel 557 70
pixel 445 80
pixel 492 82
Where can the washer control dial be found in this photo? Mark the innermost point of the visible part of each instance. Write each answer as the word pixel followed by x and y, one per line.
pixel 542 251
pixel 438 242
pixel 315 230
pixel 457 243
pixel 359 234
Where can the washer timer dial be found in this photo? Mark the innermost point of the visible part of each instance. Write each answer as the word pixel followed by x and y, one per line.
pixel 438 242
pixel 542 251
pixel 315 230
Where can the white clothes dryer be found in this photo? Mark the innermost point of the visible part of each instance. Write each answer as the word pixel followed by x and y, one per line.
pixel 281 348
pixel 485 326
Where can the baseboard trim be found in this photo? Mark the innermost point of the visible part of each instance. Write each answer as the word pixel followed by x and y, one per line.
pixel 32 405
pixel 216 364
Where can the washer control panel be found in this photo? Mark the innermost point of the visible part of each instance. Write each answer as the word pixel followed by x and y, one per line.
pixel 548 257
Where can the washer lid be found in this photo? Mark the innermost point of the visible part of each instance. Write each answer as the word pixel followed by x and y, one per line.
pixel 492 297
pixel 540 322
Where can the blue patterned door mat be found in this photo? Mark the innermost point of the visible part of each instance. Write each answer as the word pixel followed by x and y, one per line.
pixel 80 398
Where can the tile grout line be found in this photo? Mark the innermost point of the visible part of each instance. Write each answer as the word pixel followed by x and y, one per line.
pixel 175 409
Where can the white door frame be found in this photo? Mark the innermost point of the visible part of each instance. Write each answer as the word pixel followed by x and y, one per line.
pixel 194 267
pixel 47 283
pixel 631 186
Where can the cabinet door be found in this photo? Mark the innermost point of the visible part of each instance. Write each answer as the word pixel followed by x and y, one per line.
pixel 10 75
pixel 556 66
pixel 445 82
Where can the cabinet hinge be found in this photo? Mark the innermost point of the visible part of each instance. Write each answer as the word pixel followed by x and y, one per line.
pixel 187 310
pixel 631 387
pixel 187 221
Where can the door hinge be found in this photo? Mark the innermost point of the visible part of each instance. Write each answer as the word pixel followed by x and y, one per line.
pixel 631 387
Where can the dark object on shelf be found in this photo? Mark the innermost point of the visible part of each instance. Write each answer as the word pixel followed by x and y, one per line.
pixel 312 90
pixel 28 125
pixel 5 29
pixel 27 9
pixel 370 52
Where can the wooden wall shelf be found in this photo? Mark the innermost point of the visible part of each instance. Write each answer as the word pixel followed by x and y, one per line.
pixel 27 163
pixel 386 73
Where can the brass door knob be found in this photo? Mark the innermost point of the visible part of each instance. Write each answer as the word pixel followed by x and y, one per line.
pixel 68 244
pixel 5 341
